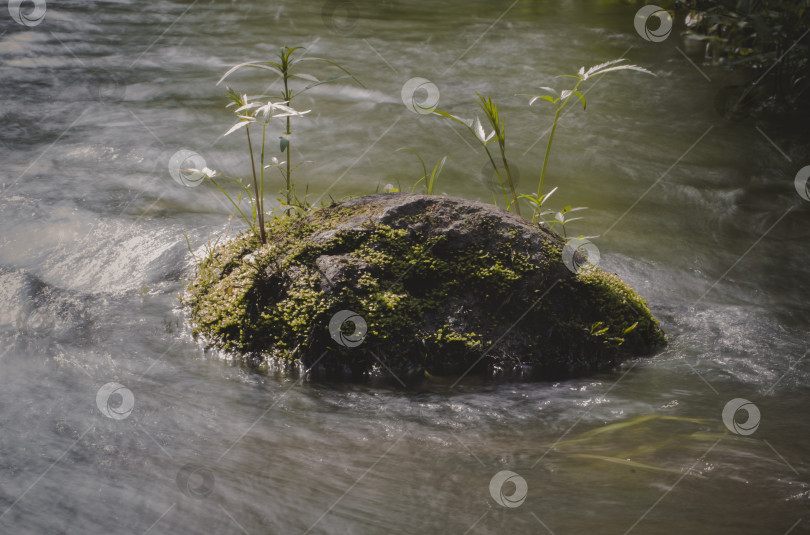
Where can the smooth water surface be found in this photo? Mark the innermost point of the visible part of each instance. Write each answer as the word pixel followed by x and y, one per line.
pixel 696 212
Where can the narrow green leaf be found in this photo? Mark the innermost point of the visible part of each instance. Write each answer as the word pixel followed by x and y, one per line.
pixel 550 90
pixel 581 97
pixel 434 176
pixel 466 122
pixel 304 76
pixel 543 97
pixel 630 329
pixel 269 66
pixel 421 161
pixel 237 126
pixel 321 82
pixel 334 65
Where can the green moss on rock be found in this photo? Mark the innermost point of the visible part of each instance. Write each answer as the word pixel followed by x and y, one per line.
pixel 445 286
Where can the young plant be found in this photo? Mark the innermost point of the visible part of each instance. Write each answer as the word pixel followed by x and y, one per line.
pixel 430 181
pixel 286 66
pixel 251 113
pixel 251 221
pixel 559 100
pixel 498 134
pixel 561 219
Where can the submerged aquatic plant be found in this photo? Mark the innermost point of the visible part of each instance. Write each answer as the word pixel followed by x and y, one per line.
pixel 559 100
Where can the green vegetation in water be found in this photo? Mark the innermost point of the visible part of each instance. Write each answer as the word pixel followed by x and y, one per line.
pixel 651 442
pixel 498 134
pixel 262 113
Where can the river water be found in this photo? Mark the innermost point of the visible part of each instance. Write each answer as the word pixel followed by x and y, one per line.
pixel 697 212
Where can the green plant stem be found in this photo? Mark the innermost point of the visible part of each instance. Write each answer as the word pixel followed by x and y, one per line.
pixel 545 160
pixel 289 182
pixel 235 205
pixel 491 111
pixel 500 180
pixel 548 147
pixel 256 187
pixel 261 172
pixel 502 145
pixel 287 132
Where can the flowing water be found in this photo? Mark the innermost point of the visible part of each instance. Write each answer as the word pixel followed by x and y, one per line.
pixel 697 212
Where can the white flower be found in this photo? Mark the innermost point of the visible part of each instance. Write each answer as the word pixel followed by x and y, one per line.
pixel 207 172
pixel 274 163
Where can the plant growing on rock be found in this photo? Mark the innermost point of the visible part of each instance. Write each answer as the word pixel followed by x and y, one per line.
pixel 259 110
pixel 286 67
pixel 498 134
pixel 430 276
pixel 559 100
pixel 261 114
pixel 437 281
pixel 429 179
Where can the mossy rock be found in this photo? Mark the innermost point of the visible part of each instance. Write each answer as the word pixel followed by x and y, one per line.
pixel 445 286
